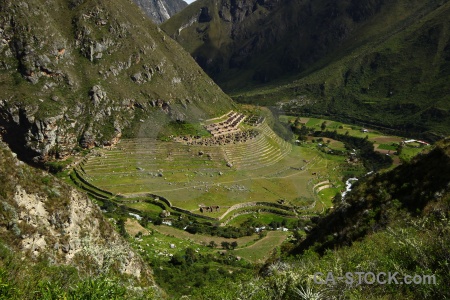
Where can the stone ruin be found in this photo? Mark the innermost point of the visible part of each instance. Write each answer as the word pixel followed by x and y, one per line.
pixel 230 125
pixel 231 138
pixel 212 208
pixel 225 132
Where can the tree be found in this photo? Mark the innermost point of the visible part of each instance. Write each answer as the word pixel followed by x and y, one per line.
pixel 177 260
pixel 212 244
pixel 298 236
pixel 225 245
pixel 191 256
pixel 324 125
pixel 337 198
pixel 144 221
pixel 234 245
pixel 121 225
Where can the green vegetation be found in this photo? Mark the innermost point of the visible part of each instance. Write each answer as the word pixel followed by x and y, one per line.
pixel 322 161
pixel 44 270
pixel 251 219
pixel 94 78
pixel 405 249
pixel 380 227
pixel 372 160
pixel 21 278
pixel 392 147
pixel 182 128
pixel 412 186
pixel 263 168
pixel 378 63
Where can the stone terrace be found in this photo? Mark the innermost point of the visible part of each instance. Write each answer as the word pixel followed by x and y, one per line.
pixel 229 126
pixel 224 139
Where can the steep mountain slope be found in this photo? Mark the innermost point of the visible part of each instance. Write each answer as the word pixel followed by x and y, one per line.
pixel 419 188
pixel 398 79
pixel 161 10
pixel 383 63
pixel 224 34
pixel 87 72
pixel 43 219
pixel 267 38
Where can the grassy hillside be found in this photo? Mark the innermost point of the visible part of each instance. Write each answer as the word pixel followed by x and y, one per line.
pixel 373 62
pixel 417 188
pixel 86 72
pixel 398 80
pixel 56 244
pixel 394 222
pixel 269 39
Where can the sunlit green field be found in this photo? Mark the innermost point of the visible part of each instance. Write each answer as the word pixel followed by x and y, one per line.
pixel 383 143
pixel 264 169
pixel 260 250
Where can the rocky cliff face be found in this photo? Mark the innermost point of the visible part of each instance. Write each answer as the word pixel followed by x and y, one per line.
pixel 83 73
pixel 43 217
pixel 161 10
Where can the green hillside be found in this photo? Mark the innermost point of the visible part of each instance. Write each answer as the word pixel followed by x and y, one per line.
pixel 392 223
pixel 87 72
pixel 180 193
pixel 416 188
pixel 56 244
pixel 374 62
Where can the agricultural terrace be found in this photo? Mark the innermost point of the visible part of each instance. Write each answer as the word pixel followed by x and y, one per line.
pixel 155 242
pixel 229 176
pixel 385 144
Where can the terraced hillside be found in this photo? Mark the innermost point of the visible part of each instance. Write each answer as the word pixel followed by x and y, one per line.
pixel 265 150
pixel 237 177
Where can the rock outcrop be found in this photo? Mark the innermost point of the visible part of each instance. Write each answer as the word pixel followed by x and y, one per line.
pixel 43 217
pixel 160 10
pixel 87 73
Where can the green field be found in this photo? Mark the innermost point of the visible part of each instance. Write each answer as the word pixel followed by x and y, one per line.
pixel 266 168
pixel 156 242
pixel 260 251
pixel 264 181
pixel 391 147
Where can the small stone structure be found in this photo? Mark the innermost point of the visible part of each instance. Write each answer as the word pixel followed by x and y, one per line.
pixel 230 125
pixel 230 138
pixel 212 208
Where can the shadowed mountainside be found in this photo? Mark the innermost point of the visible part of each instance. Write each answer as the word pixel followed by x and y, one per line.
pixel 382 63
pixel 418 188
